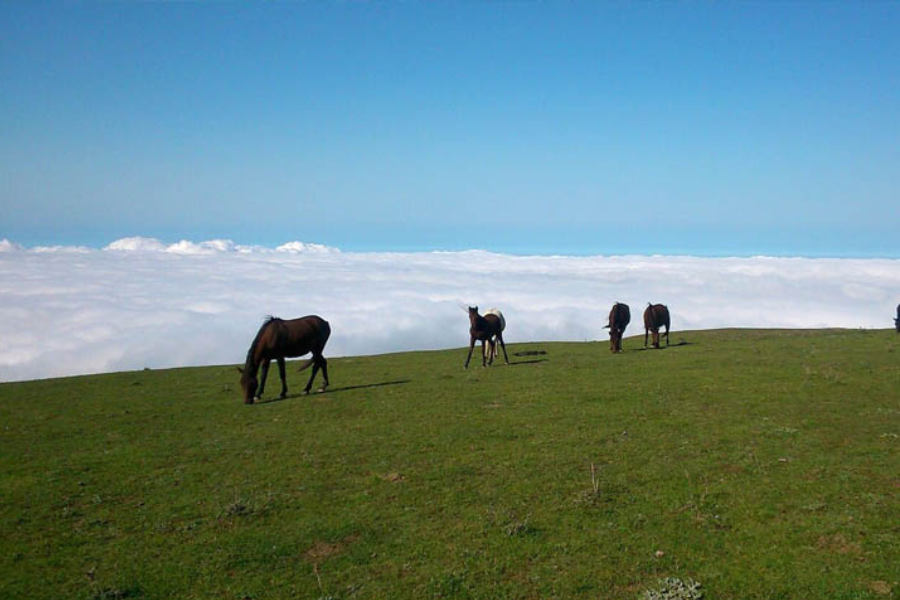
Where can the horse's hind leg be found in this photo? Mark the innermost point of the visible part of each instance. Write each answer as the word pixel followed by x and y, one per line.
pixel 315 370
pixel 502 345
pixel 324 373
pixel 262 379
pixel 284 388
pixel 667 334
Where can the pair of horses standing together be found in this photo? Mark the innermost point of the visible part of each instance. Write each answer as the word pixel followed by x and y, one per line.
pixel 656 316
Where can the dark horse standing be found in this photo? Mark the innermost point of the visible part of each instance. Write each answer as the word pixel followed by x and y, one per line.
pixel 485 329
pixel 279 339
pixel 656 316
pixel 619 318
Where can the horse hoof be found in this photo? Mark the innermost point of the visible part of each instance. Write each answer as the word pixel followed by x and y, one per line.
pixel 257 398
pixel 320 391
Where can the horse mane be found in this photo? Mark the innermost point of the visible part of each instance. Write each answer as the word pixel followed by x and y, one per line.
pixel 249 363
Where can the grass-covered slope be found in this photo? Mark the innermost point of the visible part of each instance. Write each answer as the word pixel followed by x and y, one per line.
pixel 763 464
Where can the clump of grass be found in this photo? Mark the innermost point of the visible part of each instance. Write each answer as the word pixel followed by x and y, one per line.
pixel 516 527
pixel 242 506
pixel 673 588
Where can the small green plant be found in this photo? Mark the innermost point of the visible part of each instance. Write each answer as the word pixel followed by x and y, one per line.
pixel 673 588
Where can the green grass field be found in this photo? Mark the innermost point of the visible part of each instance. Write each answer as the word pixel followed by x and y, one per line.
pixel 763 464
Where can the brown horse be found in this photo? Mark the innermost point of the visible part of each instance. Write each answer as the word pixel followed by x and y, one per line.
pixel 656 316
pixel 619 318
pixel 279 339
pixel 485 328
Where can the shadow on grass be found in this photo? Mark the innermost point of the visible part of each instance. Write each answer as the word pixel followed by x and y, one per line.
pixel 681 343
pixel 527 362
pixel 335 390
pixel 513 364
pixel 368 385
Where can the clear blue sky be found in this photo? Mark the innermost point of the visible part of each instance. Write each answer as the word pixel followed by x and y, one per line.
pixel 702 128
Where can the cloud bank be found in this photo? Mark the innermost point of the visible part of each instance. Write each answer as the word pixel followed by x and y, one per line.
pixel 138 302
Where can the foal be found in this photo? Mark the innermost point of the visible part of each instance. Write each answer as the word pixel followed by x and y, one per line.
pixel 485 329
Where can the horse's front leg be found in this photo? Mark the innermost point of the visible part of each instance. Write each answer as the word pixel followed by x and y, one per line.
pixel 262 379
pixel 483 355
pixel 283 376
pixel 471 347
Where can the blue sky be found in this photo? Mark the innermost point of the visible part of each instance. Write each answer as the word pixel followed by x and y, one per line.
pixel 688 128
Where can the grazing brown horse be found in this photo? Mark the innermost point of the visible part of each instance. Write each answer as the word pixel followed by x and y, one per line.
pixel 485 328
pixel 619 318
pixel 897 320
pixel 656 316
pixel 279 339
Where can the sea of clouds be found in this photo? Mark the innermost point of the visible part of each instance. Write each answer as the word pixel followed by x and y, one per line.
pixel 138 302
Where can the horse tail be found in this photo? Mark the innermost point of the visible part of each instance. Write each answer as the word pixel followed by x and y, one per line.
pixel 306 364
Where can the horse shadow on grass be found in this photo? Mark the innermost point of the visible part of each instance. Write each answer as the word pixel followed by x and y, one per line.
pixel 681 343
pixel 334 390
pixel 527 362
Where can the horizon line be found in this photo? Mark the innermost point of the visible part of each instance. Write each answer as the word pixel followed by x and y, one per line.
pixel 142 244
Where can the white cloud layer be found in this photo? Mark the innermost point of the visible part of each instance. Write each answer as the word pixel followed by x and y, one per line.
pixel 141 303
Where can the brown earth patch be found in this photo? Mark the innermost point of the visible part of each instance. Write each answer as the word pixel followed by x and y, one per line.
pixel 322 550
pixel 838 544
pixel 393 477
pixel 882 588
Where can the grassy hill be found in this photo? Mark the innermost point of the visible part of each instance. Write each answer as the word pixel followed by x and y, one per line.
pixel 763 464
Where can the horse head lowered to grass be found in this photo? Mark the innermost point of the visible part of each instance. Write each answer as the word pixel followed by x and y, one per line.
pixel 278 339
pixel 656 316
pixel 619 318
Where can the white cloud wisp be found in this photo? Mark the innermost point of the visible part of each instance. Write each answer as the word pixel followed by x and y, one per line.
pixel 141 303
